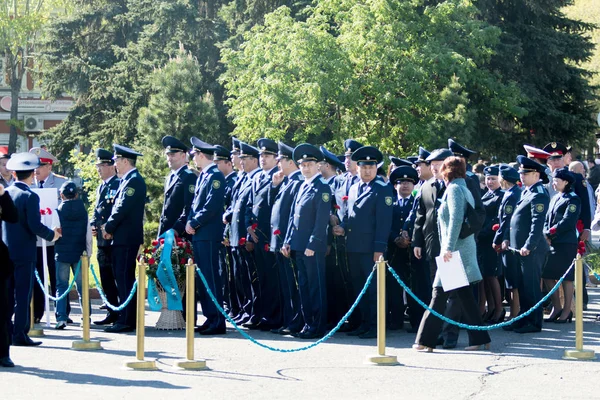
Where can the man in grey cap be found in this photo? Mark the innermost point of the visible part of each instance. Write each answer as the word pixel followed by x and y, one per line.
pixel 44 178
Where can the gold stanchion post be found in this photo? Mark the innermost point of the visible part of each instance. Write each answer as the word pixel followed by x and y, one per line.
pixel 190 304
pixel 86 343
pixel 140 363
pixel 33 331
pixel 579 353
pixel 381 358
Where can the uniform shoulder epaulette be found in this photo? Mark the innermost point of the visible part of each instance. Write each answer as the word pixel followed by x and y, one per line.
pixel 470 173
pixel 572 194
pixel 540 189
pixel 382 183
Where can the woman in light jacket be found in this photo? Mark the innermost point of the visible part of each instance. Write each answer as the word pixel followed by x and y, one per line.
pixel 451 214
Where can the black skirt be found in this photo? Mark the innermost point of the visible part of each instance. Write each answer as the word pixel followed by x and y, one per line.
pixel 559 260
pixel 488 259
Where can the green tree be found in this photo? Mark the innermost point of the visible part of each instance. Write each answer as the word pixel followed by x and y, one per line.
pixel 21 23
pixel 177 106
pixel 392 73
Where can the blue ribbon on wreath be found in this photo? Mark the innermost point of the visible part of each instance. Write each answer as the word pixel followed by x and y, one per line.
pixel 166 277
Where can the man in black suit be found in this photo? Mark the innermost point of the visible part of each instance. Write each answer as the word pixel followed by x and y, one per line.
pixel 8 214
pixel 179 187
pixel 125 227
pixel 105 197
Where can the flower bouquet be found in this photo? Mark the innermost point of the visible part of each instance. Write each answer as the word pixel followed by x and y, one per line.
pixel 166 261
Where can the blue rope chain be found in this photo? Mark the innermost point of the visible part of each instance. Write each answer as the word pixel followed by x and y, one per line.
pixel 103 296
pixel 66 293
pixel 323 339
pixel 478 327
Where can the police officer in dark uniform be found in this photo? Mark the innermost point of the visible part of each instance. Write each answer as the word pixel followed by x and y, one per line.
pixel 509 177
pixel 282 194
pixel 339 296
pixel 222 159
pixel 179 187
pixel 306 240
pixel 125 227
pixel 367 227
pixel 10 215
pixel 243 261
pixel 404 179
pixel 105 198
pixel 258 225
pixel 488 258
pixel 20 238
pixel 205 227
pixel 527 237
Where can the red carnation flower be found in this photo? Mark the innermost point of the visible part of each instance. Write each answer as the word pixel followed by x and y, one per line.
pixel 42 212
pixel 162 241
pixel 146 251
pixel 495 227
pixel 267 247
pixel 581 248
pixel 48 211
pixel 336 206
pixel 520 183
pixel 242 241
pixel 155 243
pixel 579 226
pixel 344 198
pixel 151 261
pixel 553 230
pixel 254 226
pixel 276 232
pixel 182 260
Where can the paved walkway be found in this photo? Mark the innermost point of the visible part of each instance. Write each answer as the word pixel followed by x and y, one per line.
pixel 519 366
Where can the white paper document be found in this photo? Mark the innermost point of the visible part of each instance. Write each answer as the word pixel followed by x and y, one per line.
pixel 452 273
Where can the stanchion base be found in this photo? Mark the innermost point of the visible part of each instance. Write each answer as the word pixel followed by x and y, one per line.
pixel 146 365
pixel 190 364
pixel 36 333
pixel 381 360
pixel 86 345
pixel 583 354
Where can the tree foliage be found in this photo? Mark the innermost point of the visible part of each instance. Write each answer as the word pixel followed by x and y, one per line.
pixel 177 105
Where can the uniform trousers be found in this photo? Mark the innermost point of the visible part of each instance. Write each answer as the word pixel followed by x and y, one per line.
pixel 420 284
pixel 336 276
pixel 400 262
pixel 530 292
pixel 230 299
pixel 5 324
pixel 124 261
pixel 290 295
pixel 20 288
pixel 268 306
pixel 107 277
pixel 242 281
pixel 39 298
pixel 360 266
pixel 431 325
pixel 206 255
pixel 313 292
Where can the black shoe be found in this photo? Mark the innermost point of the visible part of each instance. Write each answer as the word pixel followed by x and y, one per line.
pixel 529 328
pixel 119 328
pixel 508 328
pixel 26 341
pixel 449 344
pixel 569 319
pixel 346 328
pixel 308 335
pixel 69 321
pixel 104 306
pixel 37 320
pixel 358 331
pixel 6 362
pixel 251 326
pixel 280 331
pixel 370 334
pixel 201 328
pixel 106 321
pixel 214 331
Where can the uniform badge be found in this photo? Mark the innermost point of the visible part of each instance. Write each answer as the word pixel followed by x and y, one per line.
pixel 192 188
pixel 130 191
pixel 539 208
pixel 572 208
pixel 216 184
pixel 388 201
pixel 508 209
pixel 325 197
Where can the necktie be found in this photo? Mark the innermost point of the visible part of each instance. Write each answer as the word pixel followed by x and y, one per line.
pixel 361 189
pixel 41 184
pixel 171 179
